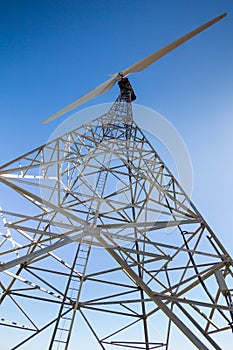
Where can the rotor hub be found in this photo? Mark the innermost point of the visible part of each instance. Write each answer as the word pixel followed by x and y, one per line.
pixel 126 91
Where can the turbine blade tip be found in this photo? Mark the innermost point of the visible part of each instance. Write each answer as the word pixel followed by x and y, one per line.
pixel 223 15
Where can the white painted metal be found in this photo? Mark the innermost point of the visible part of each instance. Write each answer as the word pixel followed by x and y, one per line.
pixel 104 183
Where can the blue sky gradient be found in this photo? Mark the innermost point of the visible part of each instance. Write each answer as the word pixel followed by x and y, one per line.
pixel 52 52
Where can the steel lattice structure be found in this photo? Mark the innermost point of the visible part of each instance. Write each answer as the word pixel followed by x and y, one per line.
pixel 103 185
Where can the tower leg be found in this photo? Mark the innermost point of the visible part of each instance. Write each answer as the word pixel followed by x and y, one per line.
pixel 139 282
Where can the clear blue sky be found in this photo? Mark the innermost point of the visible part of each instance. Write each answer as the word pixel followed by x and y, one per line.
pixel 52 52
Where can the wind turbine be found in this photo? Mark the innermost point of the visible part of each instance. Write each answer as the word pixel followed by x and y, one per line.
pixel 104 185
pixel 135 68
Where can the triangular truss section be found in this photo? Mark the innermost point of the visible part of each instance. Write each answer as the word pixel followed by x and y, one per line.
pixel 105 232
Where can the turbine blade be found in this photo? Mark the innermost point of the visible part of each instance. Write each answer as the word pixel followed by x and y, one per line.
pixel 137 67
pixel 107 85
pixel 147 61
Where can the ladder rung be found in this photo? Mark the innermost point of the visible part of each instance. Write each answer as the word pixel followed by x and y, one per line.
pixel 60 341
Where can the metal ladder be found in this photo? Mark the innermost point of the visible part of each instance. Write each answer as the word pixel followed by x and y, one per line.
pixel 65 320
pixel 66 316
pixel 101 181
